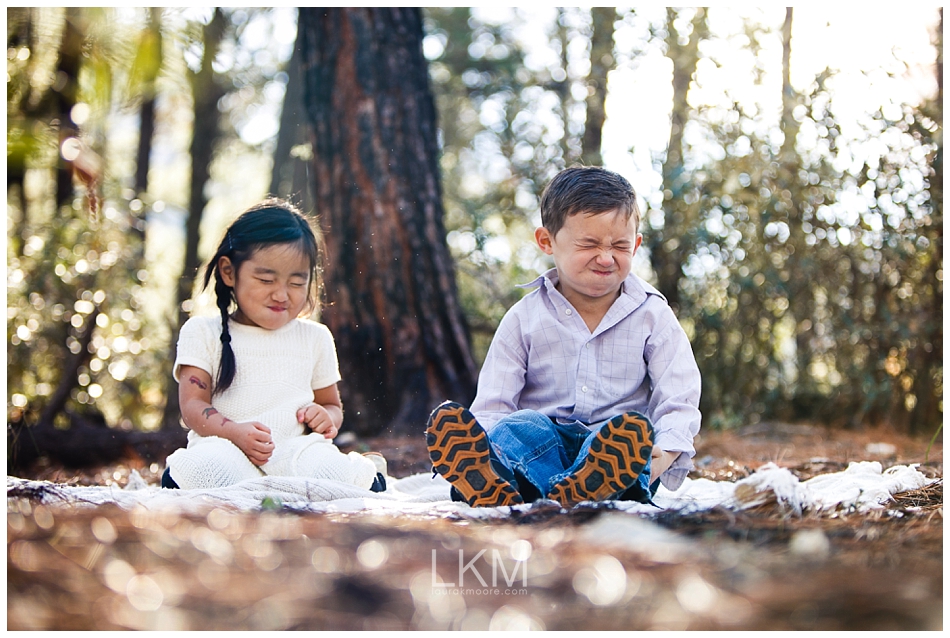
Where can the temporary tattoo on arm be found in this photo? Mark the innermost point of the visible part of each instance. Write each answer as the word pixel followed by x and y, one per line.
pixel 210 412
pixel 198 382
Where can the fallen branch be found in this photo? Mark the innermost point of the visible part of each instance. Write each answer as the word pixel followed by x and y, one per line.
pixel 87 442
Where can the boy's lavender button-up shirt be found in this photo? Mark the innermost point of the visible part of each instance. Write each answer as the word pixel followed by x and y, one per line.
pixel 544 358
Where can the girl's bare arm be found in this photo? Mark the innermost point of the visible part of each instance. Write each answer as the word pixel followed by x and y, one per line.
pixel 194 397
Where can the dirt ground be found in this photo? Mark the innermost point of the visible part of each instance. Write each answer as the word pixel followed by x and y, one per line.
pixel 590 568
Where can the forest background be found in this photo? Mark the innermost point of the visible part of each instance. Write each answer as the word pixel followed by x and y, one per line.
pixel 792 213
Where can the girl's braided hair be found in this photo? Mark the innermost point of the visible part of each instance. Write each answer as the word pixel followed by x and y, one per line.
pixel 273 221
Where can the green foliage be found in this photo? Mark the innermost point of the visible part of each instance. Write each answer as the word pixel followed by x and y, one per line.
pixel 813 286
pixel 806 252
pixel 68 266
pixel 72 272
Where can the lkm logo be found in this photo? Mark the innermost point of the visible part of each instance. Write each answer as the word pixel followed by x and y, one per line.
pixel 497 564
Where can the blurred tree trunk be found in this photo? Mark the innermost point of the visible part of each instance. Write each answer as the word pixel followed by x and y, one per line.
pixel 392 303
pixel 206 92
pixel 151 55
pixel 288 133
pixel 601 63
pixel 68 380
pixel 66 89
pixel 800 287
pixel 293 156
pixel 20 33
pixel 926 359
pixel 563 89
pixel 670 247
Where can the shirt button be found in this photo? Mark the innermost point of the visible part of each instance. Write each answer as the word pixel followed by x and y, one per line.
pixel 584 388
pixel 588 345
pixel 568 311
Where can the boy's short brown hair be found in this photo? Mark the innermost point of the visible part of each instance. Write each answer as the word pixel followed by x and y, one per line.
pixel 586 189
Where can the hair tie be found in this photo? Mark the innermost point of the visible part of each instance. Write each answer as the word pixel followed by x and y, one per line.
pixel 225 337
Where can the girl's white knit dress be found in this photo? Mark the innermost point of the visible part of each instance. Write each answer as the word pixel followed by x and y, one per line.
pixel 277 372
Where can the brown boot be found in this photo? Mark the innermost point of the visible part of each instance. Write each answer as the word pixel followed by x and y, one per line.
pixel 458 448
pixel 617 455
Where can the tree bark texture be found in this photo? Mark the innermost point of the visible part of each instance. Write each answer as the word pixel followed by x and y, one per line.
pixel 392 304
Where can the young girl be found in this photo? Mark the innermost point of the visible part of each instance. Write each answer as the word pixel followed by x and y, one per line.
pixel 258 385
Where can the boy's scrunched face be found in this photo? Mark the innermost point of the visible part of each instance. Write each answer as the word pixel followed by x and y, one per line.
pixel 593 254
pixel 271 286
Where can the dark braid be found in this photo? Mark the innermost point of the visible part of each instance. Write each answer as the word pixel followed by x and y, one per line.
pixel 273 221
pixel 228 364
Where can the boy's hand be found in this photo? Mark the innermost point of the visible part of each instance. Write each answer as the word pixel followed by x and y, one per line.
pixel 254 439
pixel 661 462
pixel 316 417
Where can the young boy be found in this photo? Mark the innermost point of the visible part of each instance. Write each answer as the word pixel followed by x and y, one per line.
pixel 590 388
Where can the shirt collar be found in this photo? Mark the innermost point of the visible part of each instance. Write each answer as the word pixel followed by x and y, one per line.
pixel 547 279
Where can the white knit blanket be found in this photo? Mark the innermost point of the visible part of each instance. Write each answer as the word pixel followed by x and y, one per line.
pixel 863 486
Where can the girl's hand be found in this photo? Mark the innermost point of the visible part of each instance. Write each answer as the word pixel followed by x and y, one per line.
pixel 254 439
pixel 317 418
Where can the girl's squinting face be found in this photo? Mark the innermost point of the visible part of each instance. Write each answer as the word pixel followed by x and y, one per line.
pixel 271 286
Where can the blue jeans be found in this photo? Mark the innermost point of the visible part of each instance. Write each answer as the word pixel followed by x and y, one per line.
pixel 533 453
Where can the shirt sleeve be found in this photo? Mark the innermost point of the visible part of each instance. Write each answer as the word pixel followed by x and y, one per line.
pixel 674 399
pixel 196 347
pixel 326 368
pixel 502 377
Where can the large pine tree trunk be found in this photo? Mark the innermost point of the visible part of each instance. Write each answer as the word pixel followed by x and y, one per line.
pixel 392 303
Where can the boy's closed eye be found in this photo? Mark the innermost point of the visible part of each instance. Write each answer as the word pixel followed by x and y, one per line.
pixel 622 247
